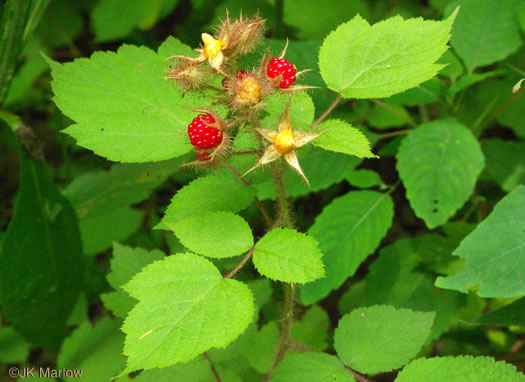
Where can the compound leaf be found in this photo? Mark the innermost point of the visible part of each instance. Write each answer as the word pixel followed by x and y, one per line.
pixel 380 338
pixel 494 252
pixel 287 255
pixel 439 163
pixel 185 308
pixel 359 60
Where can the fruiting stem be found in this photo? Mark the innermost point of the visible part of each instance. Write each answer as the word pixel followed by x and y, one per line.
pixel 240 265
pixel 285 217
pixel 327 112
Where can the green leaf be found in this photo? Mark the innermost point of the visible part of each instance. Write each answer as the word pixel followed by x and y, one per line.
pixel 124 109
pixel 14 348
pixel 439 163
pixel 41 257
pixel 261 352
pixel 313 367
pixel 385 115
pixel 215 234
pixel 312 329
pixel 348 230
pixel 423 94
pixel 95 350
pixel 511 314
pixel 363 61
pixel 341 137
pixel 61 23
pixel 125 264
pixel 196 370
pixel 485 31
pixel 505 162
pixel 287 255
pixel 380 338
pixel 396 278
pixel 459 369
pixel 364 178
pixel 102 200
pixel 185 308
pixel 207 194
pixel 115 19
pixel 494 252
pixel 302 110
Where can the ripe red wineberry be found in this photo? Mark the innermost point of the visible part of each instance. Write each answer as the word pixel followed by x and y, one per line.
pixel 202 135
pixel 282 67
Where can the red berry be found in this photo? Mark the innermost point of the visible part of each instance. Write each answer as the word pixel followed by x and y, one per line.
pixel 240 75
pixel 281 67
pixel 202 156
pixel 203 136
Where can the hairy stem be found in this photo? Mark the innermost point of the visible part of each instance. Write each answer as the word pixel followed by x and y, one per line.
pixel 327 112
pixel 259 204
pixel 240 265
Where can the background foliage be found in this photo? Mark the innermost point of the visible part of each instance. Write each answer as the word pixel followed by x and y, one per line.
pixel 435 225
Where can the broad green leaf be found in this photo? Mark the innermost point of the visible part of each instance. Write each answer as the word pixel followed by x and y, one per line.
pixel 237 349
pixel 96 350
pixel 511 314
pixel 494 252
pixel 472 79
pixel 287 255
pixel 115 19
pixel 323 168
pixel 41 257
pixel 215 234
pixel 396 278
pixel 102 200
pixel 359 60
pixel 125 264
pixel 505 162
pixel 185 308
pixel 261 352
pixel 207 194
pixel 123 107
pixel 302 110
pixel 196 370
pixel 301 14
pixel 341 137
pixel 172 46
pixel 312 329
pixel 364 178
pixel 312 367
pixel 61 23
pixel 380 338
pixel 13 348
pixel 459 369
pixel 423 94
pixel 348 230
pixel 485 31
pixel 386 115
pixel 439 163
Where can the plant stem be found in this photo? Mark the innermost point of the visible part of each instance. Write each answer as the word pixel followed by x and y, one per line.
pixel 240 265
pixel 212 366
pixel 285 217
pixel 358 377
pixel 394 111
pixel 394 133
pixel 259 204
pixel 327 112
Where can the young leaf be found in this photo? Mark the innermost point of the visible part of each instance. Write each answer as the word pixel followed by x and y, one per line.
pixel 289 256
pixel 494 252
pixel 185 308
pixel 380 338
pixel 312 367
pixel 348 230
pixel 211 193
pixel 96 350
pixel 41 257
pixel 341 137
pixel 439 163
pixel 125 110
pixel 125 264
pixel 485 31
pixel 363 61
pixel 215 234
pixel 459 369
